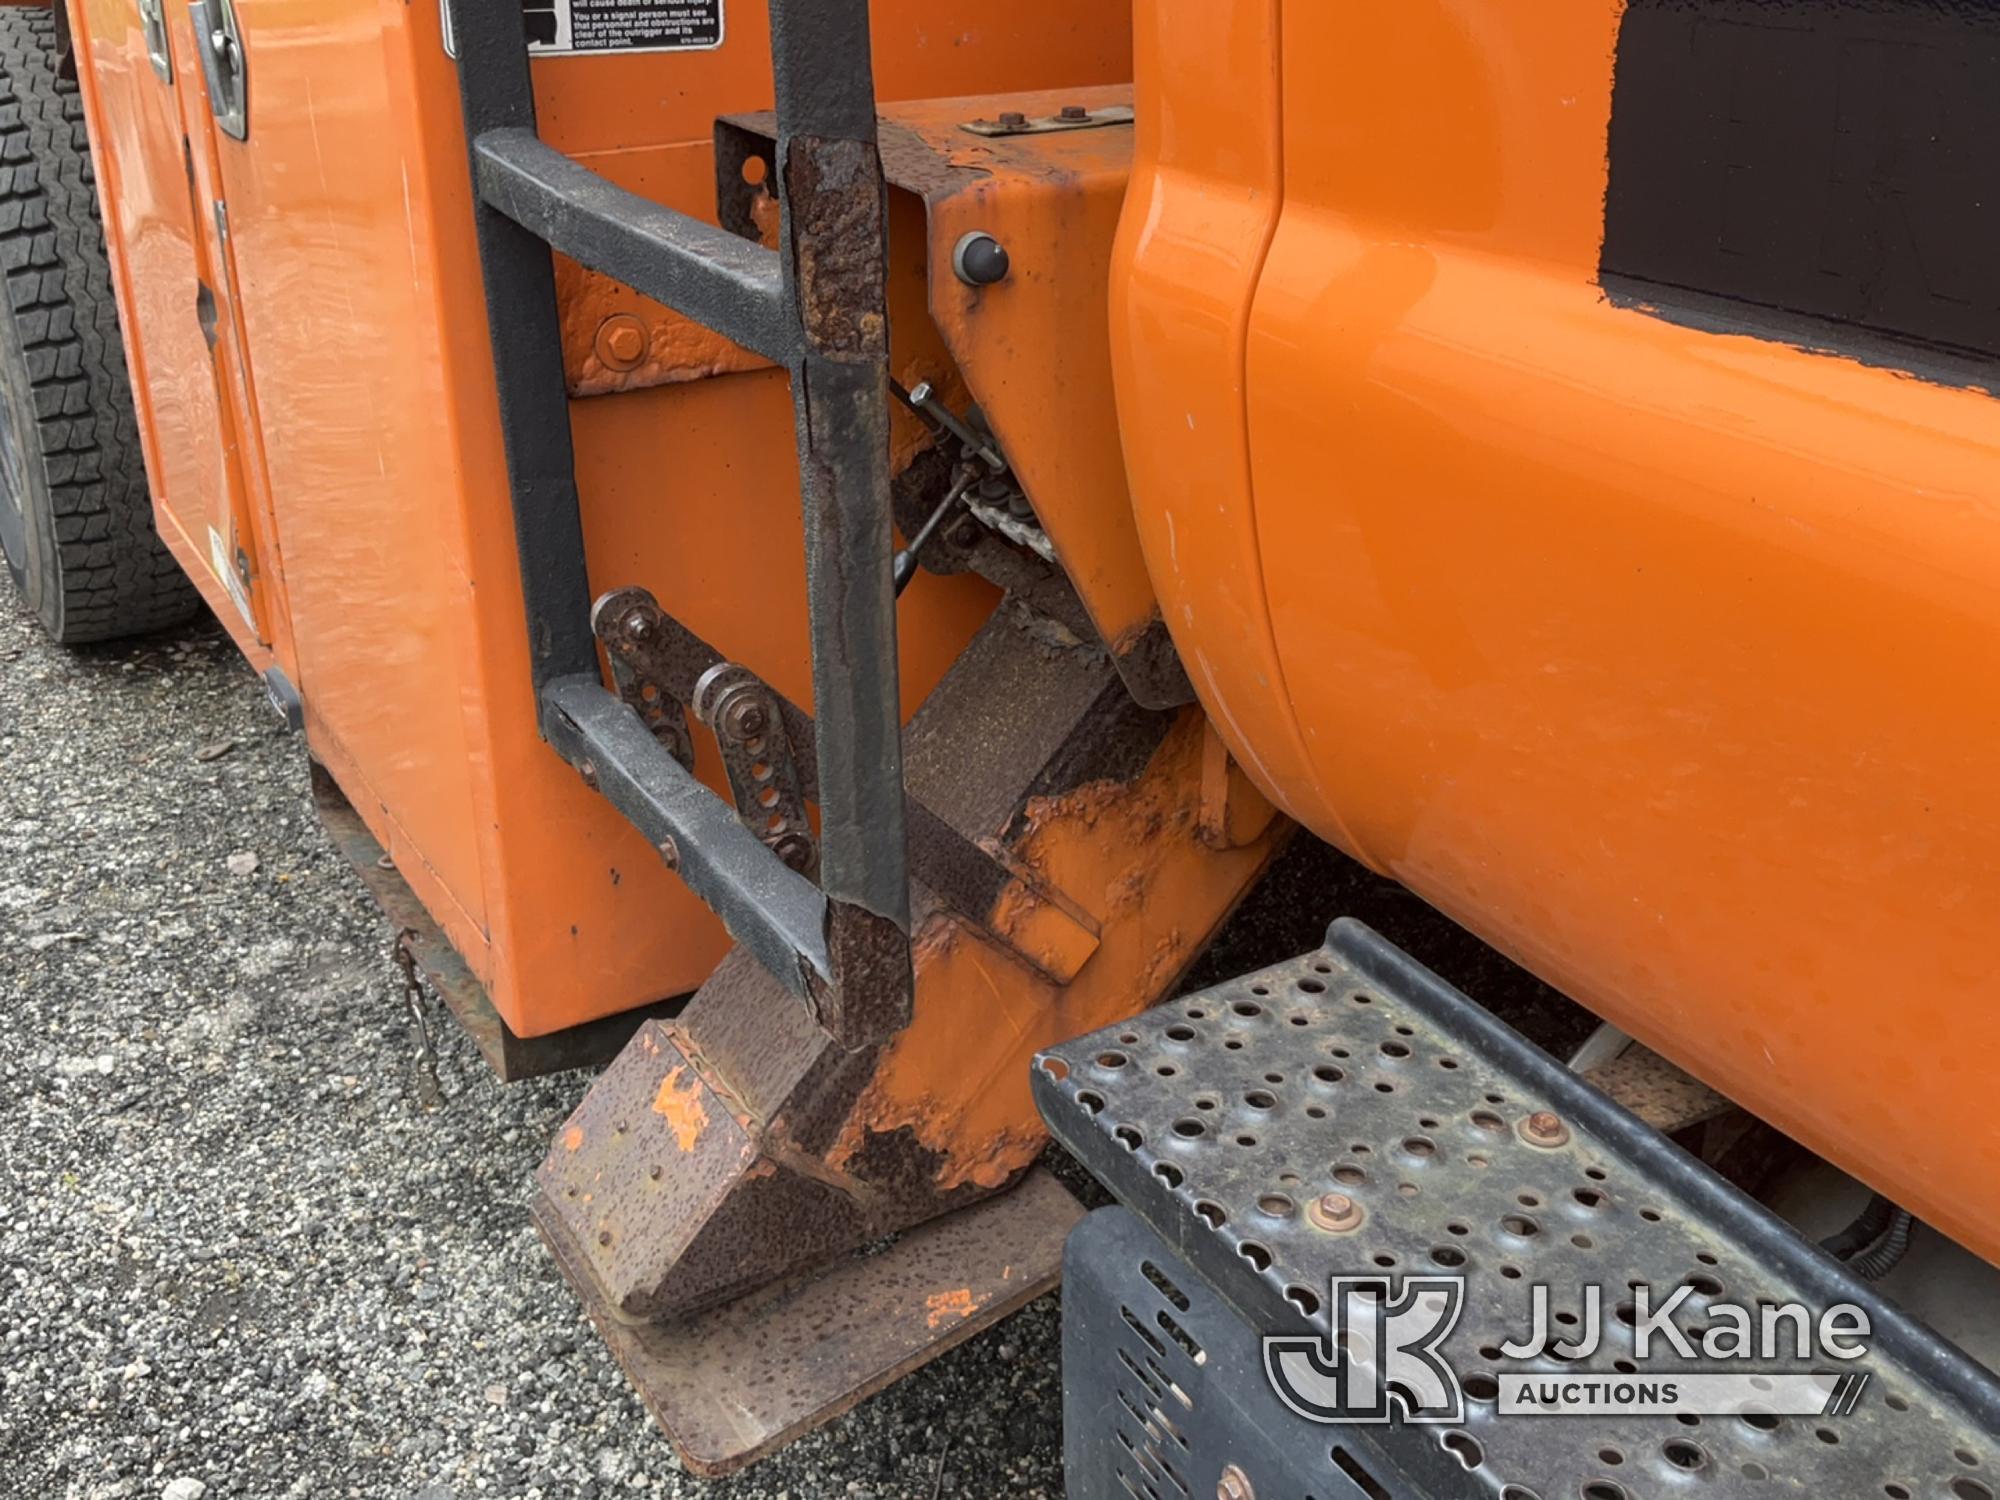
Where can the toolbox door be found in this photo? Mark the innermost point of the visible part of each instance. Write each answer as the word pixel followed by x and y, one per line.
pixel 163 225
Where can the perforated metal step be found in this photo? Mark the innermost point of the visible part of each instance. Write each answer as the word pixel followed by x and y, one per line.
pixel 1163 1389
pixel 1236 1123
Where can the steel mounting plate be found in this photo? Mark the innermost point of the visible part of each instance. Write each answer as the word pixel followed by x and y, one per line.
pixel 1223 1117
pixel 737 1382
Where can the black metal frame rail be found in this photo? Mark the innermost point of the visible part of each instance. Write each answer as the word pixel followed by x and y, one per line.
pixel 817 306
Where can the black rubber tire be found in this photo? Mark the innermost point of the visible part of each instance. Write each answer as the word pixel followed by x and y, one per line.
pixel 76 519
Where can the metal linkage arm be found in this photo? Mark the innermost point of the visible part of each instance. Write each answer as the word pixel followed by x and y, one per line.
pixel 719 279
pixel 773 911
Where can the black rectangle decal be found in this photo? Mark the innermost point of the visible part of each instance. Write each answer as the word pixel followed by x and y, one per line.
pixel 1838 159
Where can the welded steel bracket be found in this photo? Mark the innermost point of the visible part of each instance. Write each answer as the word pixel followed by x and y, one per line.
pixel 731 1385
pixel 817 305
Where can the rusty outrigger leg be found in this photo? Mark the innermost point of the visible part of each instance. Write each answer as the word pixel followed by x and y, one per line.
pixel 742 1142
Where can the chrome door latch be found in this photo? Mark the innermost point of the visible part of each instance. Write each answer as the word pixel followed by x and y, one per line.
pixel 153 22
pixel 219 38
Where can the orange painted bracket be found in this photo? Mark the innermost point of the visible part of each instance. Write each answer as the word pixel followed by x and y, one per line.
pixel 1034 348
pixel 1031 351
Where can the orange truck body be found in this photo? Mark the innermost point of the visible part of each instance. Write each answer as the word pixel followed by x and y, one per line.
pixel 1658 655
pixel 347 446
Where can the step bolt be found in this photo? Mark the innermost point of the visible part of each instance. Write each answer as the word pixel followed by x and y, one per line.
pixel 1335 1212
pixel 1544 1128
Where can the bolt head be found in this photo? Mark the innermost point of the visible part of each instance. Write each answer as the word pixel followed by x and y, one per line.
pixel 670 853
pixel 621 341
pixel 1075 112
pixel 1544 1128
pixel 744 718
pixel 637 624
pixel 1234 1485
pixel 1335 1212
pixel 1013 119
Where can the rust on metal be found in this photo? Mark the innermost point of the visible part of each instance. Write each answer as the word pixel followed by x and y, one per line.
pixel 632 627
pixel 1132 843
pixel 834 191
pixel 820 1132
pixel 1666 1097
pixel 731 1385
pixel 1336 1213
pixel 870 998
pixel 1544 1128
pixel 749 725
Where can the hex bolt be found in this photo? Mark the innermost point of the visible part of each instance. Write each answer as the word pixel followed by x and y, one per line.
pixel 1013 119
pixel 1234 1485
pixel 1336 1213
pixel 978 259
pixel 744 718
pixel 1075 112
pixel 637 624
pixel 621 341
pixel 670 852
pixel 1544 1128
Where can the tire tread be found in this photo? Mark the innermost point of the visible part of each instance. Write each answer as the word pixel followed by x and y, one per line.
pixel 110 574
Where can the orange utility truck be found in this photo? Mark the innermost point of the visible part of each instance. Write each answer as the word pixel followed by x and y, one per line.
pixel 818 548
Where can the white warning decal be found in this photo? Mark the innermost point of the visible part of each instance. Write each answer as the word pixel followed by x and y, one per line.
pixel 622 25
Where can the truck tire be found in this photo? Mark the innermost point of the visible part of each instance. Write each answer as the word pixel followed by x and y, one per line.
pixel 76 520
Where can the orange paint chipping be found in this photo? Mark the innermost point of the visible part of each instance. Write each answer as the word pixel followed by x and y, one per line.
pixel 573 1138
pixel 943 1307
pixel 681 1108
pixel 1126 855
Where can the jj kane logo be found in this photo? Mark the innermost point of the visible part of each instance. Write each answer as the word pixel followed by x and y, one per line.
pixel 1384 1354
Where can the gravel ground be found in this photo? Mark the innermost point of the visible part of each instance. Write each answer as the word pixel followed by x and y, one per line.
pixel 239 1257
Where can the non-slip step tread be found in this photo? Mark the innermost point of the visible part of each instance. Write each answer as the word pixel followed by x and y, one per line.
pixel 1223 1118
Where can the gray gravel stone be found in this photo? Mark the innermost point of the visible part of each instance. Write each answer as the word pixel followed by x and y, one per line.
pixel 238 1257
pixel 237 1250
